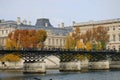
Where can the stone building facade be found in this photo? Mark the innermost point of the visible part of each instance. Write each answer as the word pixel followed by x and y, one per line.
pixel 5 28
pixel 55 36
pixel 113 26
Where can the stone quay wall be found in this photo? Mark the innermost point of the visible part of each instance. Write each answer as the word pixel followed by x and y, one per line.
pixel 70 66
pixel 99 65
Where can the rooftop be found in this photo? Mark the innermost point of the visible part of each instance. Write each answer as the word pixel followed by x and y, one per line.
pixel 98 22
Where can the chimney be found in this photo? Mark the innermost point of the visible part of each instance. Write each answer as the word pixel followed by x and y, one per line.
pixel 59 25
pixel 2 20
pixel 62 25
pixel 29 22
pixel 24 22
pixel 46 24
pixel 73 23
pixel 18 20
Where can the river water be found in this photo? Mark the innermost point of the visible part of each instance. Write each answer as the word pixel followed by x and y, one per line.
pixel 56 75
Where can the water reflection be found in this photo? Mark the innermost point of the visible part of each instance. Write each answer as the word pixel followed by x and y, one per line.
pixel 56 75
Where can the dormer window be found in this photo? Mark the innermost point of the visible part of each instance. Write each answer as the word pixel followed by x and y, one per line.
pixel 46 24
pixel 113 27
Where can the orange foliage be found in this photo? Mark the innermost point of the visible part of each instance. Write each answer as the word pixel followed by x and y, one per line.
pixel 88 46
pixel 25 38
pixel 11 58
pixel 80 45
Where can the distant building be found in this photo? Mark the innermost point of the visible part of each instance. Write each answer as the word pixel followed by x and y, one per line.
pixel 5 28
pixel 113 26
pixel 55 36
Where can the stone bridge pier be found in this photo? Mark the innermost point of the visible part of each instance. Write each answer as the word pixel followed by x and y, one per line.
pixel 34 67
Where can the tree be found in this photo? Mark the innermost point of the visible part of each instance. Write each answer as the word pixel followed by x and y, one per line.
pixel 69 43
pixel 76 35
pixel 41 37
pixel 88 46
pixel 80 45
pixel 96 35
pixel 101 35
pixel 99 46
pixel 11 58
pixel 11 44
pixel 25 39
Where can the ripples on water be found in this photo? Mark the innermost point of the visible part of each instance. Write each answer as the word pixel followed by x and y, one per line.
pixel 56 75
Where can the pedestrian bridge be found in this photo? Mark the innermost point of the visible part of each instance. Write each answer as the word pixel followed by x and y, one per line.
pixel 34 60
pixel 64 55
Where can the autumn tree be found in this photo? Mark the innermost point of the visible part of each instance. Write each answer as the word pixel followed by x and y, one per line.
pixel 80 44
pixel 69 42
pixel 11 44
pixel 11 58
pixel 88 46
pixel 88 36
pixel 76 35
pixel 41 37
pixel 99 46
pixel 25 39
pixel 101 35
pixel 96 35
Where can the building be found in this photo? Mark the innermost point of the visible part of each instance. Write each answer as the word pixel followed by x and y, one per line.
pixel 5 28
pixel 113 26
pixel 55 36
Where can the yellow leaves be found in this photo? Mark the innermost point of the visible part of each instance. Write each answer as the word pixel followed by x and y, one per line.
pixel 80 44
pixel 11 44
pixel 70 43
pixel 99 46
pixel 82 56
pixel 41 35
pixel 77 30
pixel 88 46
pixel 11 58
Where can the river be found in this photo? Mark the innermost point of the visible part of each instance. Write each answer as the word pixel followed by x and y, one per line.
pixel 56 75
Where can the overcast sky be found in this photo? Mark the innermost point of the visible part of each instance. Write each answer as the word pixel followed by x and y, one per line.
pixel 60 10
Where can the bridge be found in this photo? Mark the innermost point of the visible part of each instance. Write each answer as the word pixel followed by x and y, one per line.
pixel 37 54
pixel 36 57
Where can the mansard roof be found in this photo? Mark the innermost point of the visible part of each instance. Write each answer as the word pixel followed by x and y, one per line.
pixel 8 23
pixel 42 23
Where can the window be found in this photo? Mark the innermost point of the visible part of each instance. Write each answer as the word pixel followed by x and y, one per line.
pixel 113 27
pixel 56 41
pixel 119 48
pixel 108 29
pixel 113 37
pixel 6 31
pixel 52 41
pixel 113 47
pixel 2 31
pixel 119 27
pixel 49 42
pixel 60 42
pixel 119 37
pixel 109 38
pixel 108 47
pixel 64 41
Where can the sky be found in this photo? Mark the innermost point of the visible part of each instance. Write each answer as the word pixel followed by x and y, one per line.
pixel 59 11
